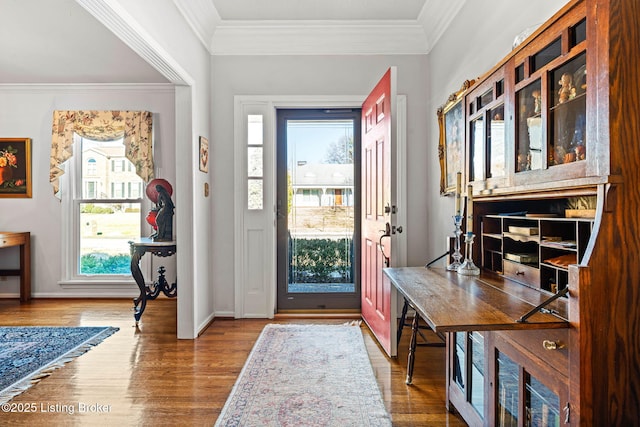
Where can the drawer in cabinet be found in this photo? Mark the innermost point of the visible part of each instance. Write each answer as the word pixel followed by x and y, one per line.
pixel 551 346
pixel 522 273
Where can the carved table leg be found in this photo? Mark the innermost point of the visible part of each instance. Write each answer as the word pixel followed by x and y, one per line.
pixel 140 303
pixel 412 348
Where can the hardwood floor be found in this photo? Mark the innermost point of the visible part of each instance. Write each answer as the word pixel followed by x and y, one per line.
pixel 146 376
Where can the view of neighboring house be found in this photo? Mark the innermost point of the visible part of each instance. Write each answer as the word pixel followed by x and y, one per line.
pixel 317 185
pixel 108 174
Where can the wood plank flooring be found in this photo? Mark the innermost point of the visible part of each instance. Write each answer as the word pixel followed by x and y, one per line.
pixel 145 376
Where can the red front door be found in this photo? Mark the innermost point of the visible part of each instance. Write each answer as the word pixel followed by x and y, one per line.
pixel 378 144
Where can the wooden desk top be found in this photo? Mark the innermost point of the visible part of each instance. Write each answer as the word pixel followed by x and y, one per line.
pixel 8 239
pixel 451 302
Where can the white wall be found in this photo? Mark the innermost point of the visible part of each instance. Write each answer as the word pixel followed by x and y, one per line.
pixel 157 31
pixel 167 34
pixel 27 111
pixel 309 75
pixel 469 48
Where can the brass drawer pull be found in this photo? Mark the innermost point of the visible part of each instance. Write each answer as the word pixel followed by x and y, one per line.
pixel 552 345
pixel 519 273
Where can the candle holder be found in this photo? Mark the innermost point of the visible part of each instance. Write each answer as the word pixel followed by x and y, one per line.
pixel 468 268
pixel 457 232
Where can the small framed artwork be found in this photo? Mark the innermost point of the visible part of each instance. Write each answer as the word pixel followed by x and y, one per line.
pixel 451 121
pixel 15 167
pixel 204 154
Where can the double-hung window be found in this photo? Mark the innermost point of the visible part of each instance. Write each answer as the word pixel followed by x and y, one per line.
pixel 102 199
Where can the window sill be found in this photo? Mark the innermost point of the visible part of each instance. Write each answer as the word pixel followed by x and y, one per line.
pixel 97 284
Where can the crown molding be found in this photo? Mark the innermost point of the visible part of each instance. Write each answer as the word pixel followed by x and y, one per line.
pixel 125 27
pixel 202 16
pixel 318 38
pixel 355 37
pixel 86 87
pixel 436 16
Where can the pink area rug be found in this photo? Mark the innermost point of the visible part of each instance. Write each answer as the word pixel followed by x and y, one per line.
pixel 306 375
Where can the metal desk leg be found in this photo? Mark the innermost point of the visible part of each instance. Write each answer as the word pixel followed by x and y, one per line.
pixel 412 348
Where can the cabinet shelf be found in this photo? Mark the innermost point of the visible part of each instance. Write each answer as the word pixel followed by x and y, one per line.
pixel 521 237
pixel 540 259
pixel 555 267
pixel 570 102
pixel 559 246
pixel 493 236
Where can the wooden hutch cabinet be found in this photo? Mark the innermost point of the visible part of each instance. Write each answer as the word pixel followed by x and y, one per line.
pixel 553 157
pixel 549 333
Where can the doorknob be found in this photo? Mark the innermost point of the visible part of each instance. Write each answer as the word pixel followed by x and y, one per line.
pixel 387 233
pixel 387 230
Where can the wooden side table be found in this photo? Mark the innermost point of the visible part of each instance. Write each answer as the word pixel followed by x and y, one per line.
pixel 23 239
pixel 150 292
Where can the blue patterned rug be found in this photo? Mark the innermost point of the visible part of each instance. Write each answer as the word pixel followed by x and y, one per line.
pixel 306 375
pixel 27 354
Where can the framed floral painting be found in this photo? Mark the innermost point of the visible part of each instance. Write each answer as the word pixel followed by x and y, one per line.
pixel 15 167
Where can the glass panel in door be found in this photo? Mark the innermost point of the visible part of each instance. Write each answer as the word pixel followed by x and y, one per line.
pixel 508 391
pixel 319 204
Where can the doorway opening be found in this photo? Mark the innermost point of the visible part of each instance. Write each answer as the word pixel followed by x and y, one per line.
pixel 318 209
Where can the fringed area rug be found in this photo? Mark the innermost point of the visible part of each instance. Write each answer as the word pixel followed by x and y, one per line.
pixel 28 354
pixel 306 375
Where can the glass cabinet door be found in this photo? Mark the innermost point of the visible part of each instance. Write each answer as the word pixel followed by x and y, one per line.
pixel 477 149
pixel 487 133
pixel 508 395
pixel 496 142
pixel 523 396
pixel 476 384
pixel 468 372
pixel 567 112
pixel 542 405
pixel 459 366
pixel 530 136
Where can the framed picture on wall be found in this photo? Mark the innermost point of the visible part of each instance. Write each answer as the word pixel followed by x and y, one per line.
pixel 451 122
pixel 204 154
pixel 15 167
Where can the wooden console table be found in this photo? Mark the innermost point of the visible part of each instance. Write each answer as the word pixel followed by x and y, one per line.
pixel 449 302
pixel 150 292
pixel 23 239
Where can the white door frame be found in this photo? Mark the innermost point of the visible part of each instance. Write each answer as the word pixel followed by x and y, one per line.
pixel 255 271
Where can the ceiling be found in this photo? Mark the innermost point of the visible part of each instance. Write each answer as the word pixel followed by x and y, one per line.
pixel 338 10
pixel 58 41
pixel 45 41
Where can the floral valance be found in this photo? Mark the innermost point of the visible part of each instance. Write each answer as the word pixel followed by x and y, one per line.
pixel 134 126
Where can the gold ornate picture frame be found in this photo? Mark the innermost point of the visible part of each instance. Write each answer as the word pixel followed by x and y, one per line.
pixel 451 122
pixel 15 167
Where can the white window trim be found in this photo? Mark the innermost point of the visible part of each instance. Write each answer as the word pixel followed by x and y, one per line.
pixel 261 303
pixel 103 284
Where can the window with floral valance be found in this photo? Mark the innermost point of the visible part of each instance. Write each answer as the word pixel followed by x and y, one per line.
pixel 135 127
